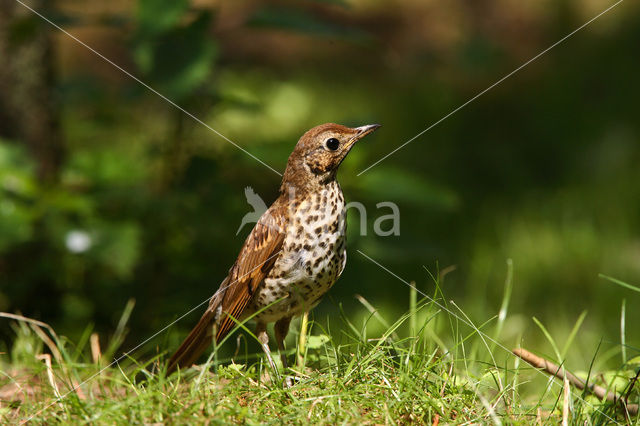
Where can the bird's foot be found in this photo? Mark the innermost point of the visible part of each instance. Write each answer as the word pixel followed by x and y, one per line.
pixel 290 381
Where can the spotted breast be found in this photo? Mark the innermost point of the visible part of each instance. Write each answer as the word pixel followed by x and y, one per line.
pixel 313 257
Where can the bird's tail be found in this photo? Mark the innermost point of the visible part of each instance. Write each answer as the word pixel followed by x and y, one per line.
pixel 196 342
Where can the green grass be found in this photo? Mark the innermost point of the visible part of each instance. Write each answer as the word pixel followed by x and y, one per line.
pixel 432 364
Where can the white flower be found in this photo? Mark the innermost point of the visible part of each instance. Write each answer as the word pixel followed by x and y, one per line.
pixel 78 241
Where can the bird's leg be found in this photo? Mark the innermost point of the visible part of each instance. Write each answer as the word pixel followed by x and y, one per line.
pixel 263 338
pixel 282 328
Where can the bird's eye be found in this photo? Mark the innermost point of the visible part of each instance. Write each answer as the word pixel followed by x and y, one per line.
pixel 333 144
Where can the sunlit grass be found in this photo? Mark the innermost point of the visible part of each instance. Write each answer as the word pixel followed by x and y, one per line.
pixel 432 364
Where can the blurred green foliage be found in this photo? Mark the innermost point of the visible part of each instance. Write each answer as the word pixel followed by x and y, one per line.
pixel 174 58
pixel 543 169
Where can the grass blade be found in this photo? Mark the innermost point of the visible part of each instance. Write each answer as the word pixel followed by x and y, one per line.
pixel 623 339
pixel 504 307
pixel 573 333
pixel 620 283
pixel 549 338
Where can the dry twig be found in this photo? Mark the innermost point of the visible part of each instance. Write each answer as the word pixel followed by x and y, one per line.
pixel 565 403
pixel 561 373
pixel 96 352
pixel 52 381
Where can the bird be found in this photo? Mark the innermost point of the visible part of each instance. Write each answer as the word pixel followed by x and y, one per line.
pixel 294 254
pixel 259 207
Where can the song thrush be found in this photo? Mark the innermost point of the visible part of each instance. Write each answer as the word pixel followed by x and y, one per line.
pixel 293 255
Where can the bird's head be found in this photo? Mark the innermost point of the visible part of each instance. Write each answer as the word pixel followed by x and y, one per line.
pixel 320 151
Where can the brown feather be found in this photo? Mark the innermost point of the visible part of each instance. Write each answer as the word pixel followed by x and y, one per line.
pixel 257 256
pixel 260 251
pixel 196 342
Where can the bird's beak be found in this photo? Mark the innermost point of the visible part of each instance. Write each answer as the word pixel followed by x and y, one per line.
pixel 361 132
pixel 365 130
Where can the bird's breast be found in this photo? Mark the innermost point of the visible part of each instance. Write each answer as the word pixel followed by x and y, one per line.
pixel 313 255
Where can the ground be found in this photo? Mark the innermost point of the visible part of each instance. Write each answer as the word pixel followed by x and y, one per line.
pixel 441 371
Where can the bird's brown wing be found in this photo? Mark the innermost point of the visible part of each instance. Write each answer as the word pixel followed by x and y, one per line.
pixel 258 255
